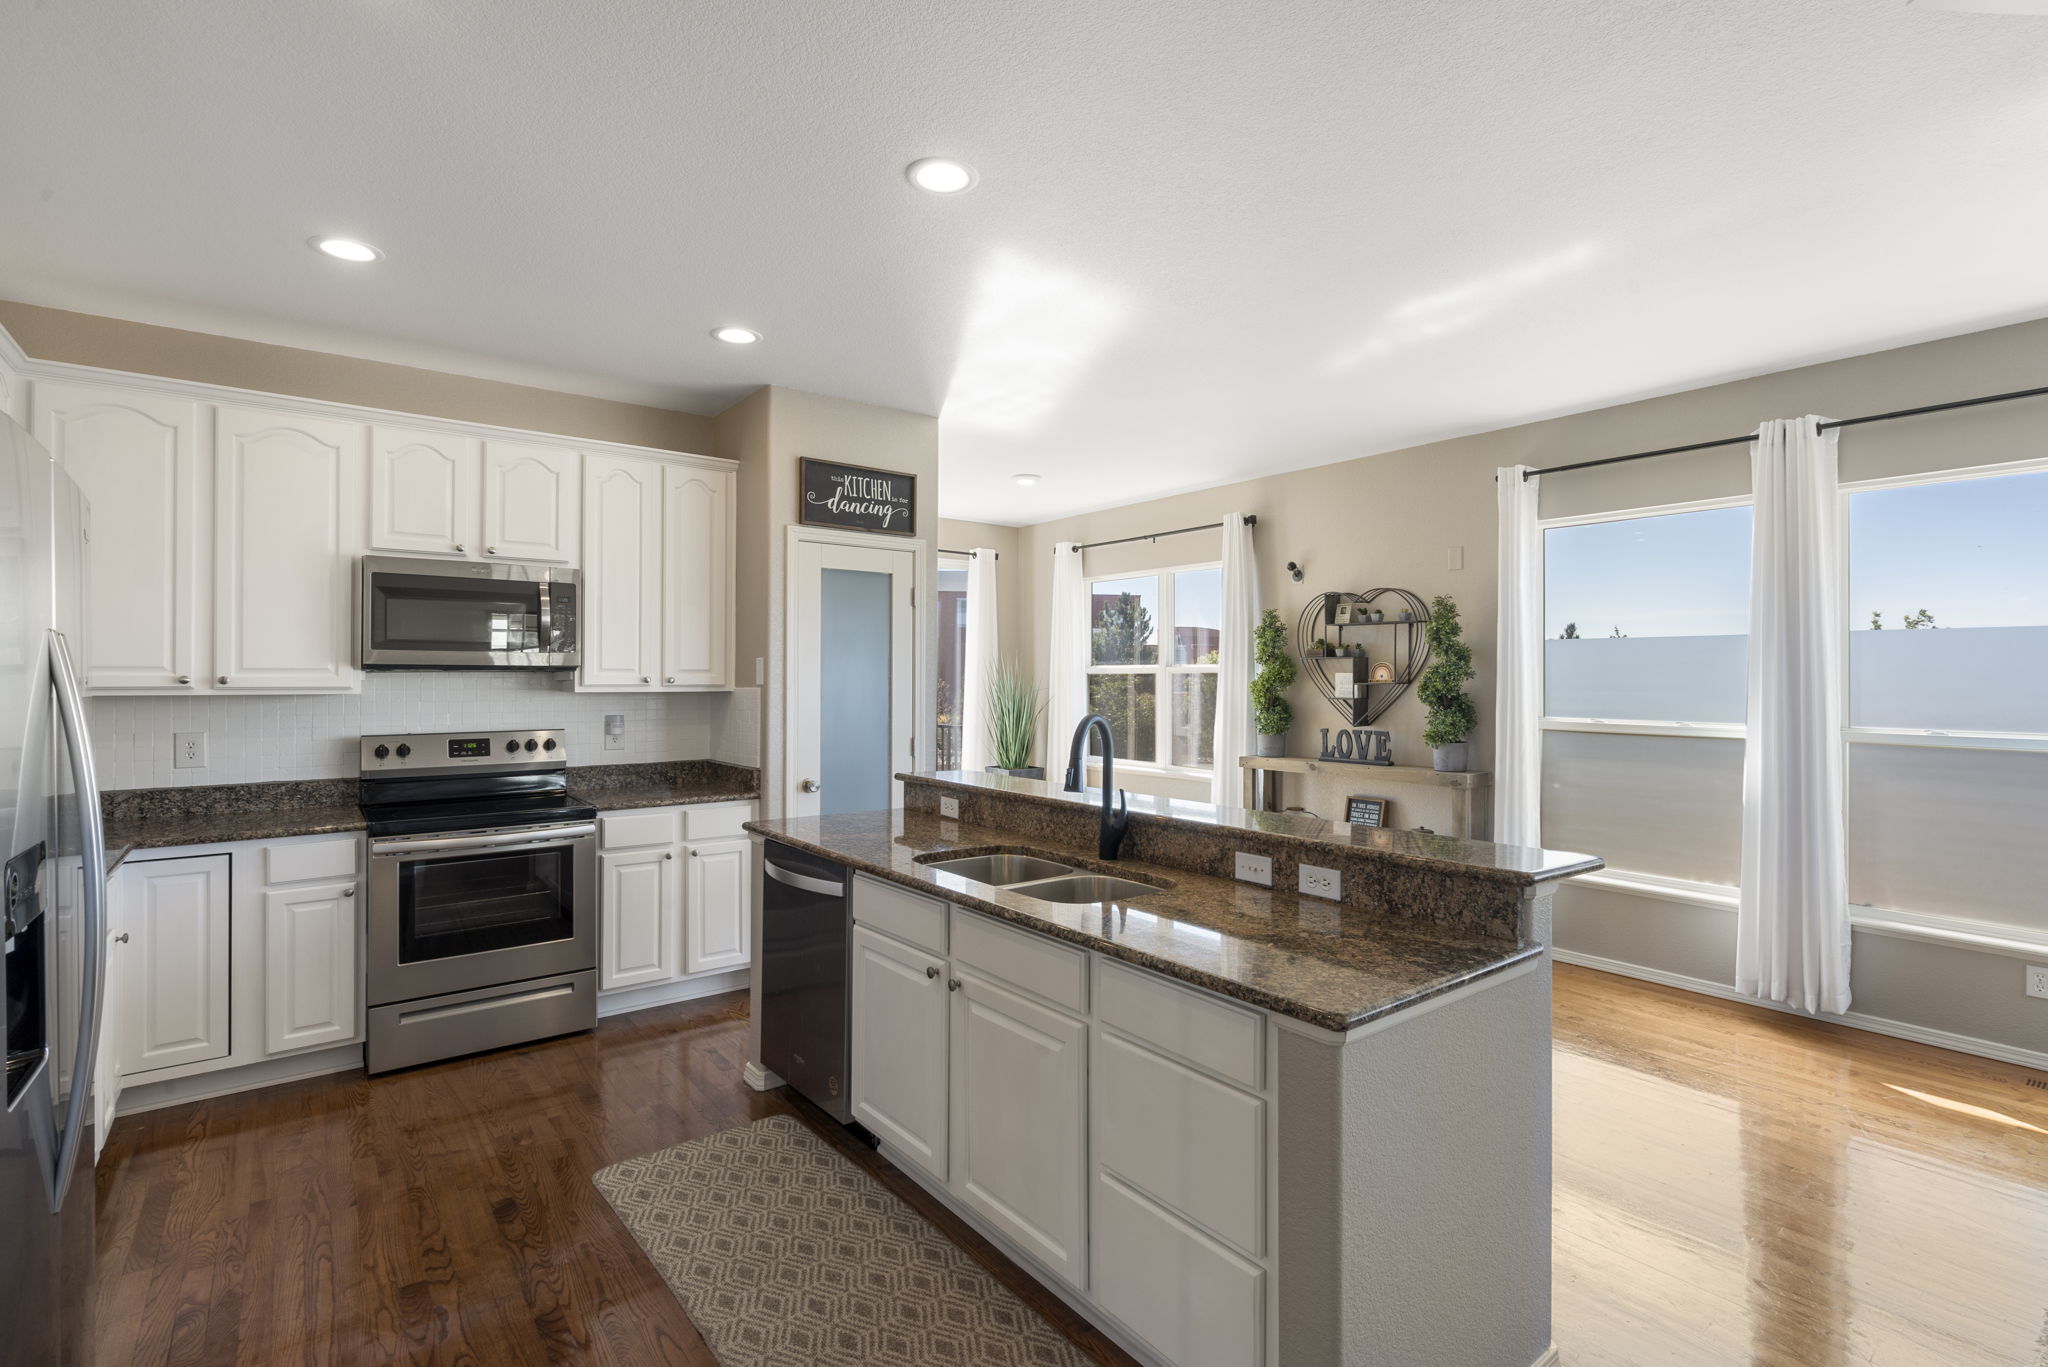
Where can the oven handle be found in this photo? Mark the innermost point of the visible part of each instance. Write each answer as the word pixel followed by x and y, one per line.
pixel 452 844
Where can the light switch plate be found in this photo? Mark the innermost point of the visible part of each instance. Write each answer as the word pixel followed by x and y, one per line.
pixel 1319 882
pixel 2037 980
pixel 188 750
pixel 1454 558
pixel 949 808
pixel 1255 868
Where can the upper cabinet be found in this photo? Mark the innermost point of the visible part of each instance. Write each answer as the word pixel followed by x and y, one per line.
pixel 135 456
pixel 288 515
pixel 696 624
pixel 621 572
pixel 423 491
pixel 533 502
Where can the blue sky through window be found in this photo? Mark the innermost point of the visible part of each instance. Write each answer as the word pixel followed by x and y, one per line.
pixel 1679 574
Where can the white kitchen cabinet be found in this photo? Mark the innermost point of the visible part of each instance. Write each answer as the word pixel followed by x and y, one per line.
pixel 717 905
pixel 172 969
pixel 900 1084
pixel 1193 1299
pixel 135 455
pixel 621 611
pixel 533 502
pixel 288 525
pixel 1019 1121
pixel 309 966
pixel 697 594
pixel 424 497
pixel 640 917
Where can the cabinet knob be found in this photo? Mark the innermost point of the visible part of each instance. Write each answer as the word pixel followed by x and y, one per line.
pixel 670 855
pixel 122 938
pixel 671 678
pixel 952 984
pixel 930 972
pixel 184 678
pixel 222 679
pixel 645 679
pixel 490 550
pixel 461 549
pixel 348 892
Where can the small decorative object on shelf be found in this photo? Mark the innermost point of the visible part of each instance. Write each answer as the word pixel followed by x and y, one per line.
pixel 1452 714
pixel 1382 673
pixel 1271 715
pixel 1360 810
pixel 1358 745
pixel 1345 614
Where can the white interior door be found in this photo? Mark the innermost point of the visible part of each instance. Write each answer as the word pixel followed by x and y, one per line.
pixel 852 676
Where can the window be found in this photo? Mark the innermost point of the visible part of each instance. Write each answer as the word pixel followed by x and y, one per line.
pixel 952 648
pixel 1162 711
pixel 1647 618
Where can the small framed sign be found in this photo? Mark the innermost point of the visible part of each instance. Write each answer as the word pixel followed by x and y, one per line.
pixel 1366 811
pixel 856 499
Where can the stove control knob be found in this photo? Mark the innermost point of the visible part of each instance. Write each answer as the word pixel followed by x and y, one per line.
pixel 532 744
pixel 511 745
pixel 548 744
pixel 404 750
pixel 382 752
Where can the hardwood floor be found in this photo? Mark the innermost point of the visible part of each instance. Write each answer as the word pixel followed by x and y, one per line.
pixel 1733 1186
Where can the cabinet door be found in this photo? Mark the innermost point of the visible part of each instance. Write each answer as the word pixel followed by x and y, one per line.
pixel 696 628
pixel 423 491
pixel 1192 1298
pixel 533 502
pixel 288 525
pixel 1020 1121
pixel 309 966
pixel 899 1047
pixel 135 457
pixel 716 909
pixel 640 918
pixel 621 572
pixel 171 974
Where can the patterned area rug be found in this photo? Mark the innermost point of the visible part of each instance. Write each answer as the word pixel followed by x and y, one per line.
pixel 783 1252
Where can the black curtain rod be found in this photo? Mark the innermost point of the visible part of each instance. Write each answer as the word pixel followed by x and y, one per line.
pixel 1840 422
pixel 1252 521
pixel 969 554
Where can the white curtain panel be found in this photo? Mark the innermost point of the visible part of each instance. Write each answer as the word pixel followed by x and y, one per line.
pixel 1234 662
pixel 1792 940
pixel 1518 664
pixel 1066 699
pixel 979 664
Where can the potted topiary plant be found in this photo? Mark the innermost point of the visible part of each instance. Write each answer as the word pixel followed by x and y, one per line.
pixel 1442 687
pixel 1013 710
pixel 1270 713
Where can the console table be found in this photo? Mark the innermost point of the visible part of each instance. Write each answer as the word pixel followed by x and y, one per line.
pixel 1471 795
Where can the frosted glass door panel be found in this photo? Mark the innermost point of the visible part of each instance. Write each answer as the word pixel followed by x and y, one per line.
pixel 1949 832
pixel 853 703
pixel 1669 805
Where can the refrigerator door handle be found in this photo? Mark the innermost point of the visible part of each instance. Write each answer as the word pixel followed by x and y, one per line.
pixel 93 933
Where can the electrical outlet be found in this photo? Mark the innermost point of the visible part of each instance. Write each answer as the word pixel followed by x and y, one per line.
pixel 188 750
pixel 1318 882
pixel 1454 558
pixel 949 808
pixel 2037 980
pixel 1255 868
pixel 615 731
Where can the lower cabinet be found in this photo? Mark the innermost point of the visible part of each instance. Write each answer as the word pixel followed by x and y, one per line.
pixel 716 904
pixel 675 895
pixel 310 974
pixel 640 898
pixel 899 1047
pixel 170 964
pixel 1188 1295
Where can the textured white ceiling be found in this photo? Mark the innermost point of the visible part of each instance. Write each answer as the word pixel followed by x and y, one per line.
pixel 1211 239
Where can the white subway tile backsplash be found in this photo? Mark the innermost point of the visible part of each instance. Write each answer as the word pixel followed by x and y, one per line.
pixel 263 739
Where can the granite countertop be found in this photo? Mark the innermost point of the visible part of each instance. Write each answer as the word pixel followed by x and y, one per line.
pixel 620 787
pixel 1519 864
pixel 1332 965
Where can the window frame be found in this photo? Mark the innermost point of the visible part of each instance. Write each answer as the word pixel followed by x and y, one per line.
pixel 1163 671
pixel 941 562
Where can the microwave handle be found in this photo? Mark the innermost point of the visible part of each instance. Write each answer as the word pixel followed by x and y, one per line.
pixel 547 615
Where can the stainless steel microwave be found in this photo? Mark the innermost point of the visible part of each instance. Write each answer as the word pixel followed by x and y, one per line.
pixel 453 614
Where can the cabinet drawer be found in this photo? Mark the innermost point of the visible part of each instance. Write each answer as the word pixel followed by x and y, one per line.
pixel 1193 1143
pixel 1053 971
pixel 1213 1035
pixel 918 920
pixel 630 830
pixel 302 862
pixel 717 822
pixel 1193 1300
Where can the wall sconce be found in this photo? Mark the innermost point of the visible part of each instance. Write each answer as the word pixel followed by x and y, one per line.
pixel 1294 570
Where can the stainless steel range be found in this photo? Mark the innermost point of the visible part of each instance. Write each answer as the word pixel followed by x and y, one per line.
pixel 483 894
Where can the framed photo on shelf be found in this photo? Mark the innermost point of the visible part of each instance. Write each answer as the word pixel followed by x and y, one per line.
pixel 1361 810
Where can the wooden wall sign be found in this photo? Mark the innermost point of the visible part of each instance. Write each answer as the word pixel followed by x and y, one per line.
pixel 859 500
pixel 1358 745
pixel 1360 810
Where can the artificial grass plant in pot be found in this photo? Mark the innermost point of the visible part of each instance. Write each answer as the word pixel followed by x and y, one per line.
pixel 1452 715
pixel 1271 716
pixel 1014 707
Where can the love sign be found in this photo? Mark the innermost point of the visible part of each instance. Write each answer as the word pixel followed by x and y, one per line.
pixel 834 495
pixel 1358 745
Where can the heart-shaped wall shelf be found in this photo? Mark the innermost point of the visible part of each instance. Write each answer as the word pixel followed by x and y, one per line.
pixel 1402 644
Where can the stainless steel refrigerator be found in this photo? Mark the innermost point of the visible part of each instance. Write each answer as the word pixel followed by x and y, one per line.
pixel 55 916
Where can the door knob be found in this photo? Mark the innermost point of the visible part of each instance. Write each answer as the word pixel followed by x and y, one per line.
pixel 810 785
pixel 930 972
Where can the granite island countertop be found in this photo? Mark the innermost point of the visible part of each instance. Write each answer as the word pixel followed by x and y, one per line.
pixel 1332 965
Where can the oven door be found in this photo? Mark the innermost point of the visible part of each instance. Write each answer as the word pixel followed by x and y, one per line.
pixel 437 614
pixel 476 909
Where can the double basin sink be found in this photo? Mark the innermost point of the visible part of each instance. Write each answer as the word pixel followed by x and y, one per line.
pixel 1045 880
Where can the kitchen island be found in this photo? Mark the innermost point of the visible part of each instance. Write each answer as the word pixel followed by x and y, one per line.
pixel 1229 1123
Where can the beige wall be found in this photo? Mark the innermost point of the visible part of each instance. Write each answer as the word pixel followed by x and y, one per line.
pixel 144 349
pixel 1398 518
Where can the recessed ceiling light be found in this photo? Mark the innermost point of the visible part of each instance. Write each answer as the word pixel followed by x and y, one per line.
pixel 1026 480
pixel 346 249
pixel 940 176
pixel 736 336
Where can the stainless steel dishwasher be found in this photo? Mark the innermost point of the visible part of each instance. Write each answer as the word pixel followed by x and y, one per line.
pixel 807 929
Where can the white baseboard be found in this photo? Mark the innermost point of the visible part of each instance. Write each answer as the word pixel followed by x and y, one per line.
pixel 661 994
pixel 759 1078
pixel 154 1096
pixel 1879 1025
pixel 1550 1358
